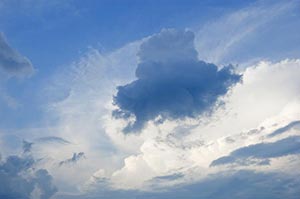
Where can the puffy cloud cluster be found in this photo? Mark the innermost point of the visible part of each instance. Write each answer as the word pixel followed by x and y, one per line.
pixel 171 82
pixel 19 179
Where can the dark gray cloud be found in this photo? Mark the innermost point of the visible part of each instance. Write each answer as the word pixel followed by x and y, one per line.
pixel 19 178
pixel 259 153
pixel 11 62
pixel 171 81
pixel 75 158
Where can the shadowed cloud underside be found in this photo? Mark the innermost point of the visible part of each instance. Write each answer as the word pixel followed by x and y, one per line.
pixel 171 82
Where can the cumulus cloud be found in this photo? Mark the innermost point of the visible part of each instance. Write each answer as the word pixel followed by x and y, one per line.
pixel 20 179
pixel 171 82
pixel 11 62
pixel 287 146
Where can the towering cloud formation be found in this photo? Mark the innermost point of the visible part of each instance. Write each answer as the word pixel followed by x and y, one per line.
pixel 11 62
pixel 171 82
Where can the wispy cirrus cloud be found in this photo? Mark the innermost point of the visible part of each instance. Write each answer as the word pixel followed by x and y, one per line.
pixel 251 34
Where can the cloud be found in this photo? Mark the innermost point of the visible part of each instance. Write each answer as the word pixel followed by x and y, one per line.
pixel 157 153
pixel 171 82
pixel 267 88
pixel 251 34
pixel 27 146
pixel 289 126
pixel 11 62
pixel 52 139
pixel 75 158
pixel 169 177
pixel 243 184
pixel 19 179
pixel 287 146
pixel 44 182
pixel 268 95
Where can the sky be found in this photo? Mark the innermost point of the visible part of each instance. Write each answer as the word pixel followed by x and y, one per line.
pixel 149 99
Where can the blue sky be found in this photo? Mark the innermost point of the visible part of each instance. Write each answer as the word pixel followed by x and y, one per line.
pixel 143 99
